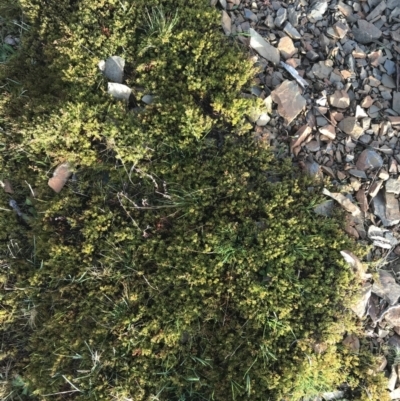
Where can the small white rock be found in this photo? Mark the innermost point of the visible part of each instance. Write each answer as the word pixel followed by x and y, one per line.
pixel 264 119
pixel 119 91
pixel 148 99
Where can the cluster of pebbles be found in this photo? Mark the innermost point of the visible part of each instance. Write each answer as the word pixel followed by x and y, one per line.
pixel 329 74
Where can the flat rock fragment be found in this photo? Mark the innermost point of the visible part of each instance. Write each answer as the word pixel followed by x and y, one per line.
pixel 119 91
pixel 377 11
pixel 350 126
pixel 339 99
pixel 366 32
pixel 360 305
pixel 290 30
pixel 356 264
pixel 380 207
pixel 226 23
pixel 263 48
pixel 289 99
pixel 114 69
pixel 344 202
pixel 369 159
pixel 324 208
pixel 392 207
pixel 286 47
pixel 382 237
pixel 60 177
pixel 317 10
pixel 396 102
pixel 392 186
pixel 385 286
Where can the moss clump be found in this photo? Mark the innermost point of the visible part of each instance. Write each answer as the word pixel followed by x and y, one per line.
pixel 184 262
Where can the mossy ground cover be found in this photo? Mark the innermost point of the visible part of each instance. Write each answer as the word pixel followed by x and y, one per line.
pixel 183 262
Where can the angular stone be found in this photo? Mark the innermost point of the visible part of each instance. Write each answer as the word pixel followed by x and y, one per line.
pixel 392 186
pixel 340 29
pixel 263 48
pixel 148 99
pixel 350 126
pixel 339 99
pixel 367 102
pixel 388 81
pixel 322 70
pixel 281 16
pixel 390 67
pixel 119 91
pixel 300 136
pixel 395 35
pixel 290 30
pixel 248 14
pixel 325 208
pixel 385 286
pixel 226 23
pixel 346 10
pixel 289 100
pixel 263 120
pixel 396 102
pixel 360 305
pixel 114 69
pixel 391 4
pixel 392 207
pixel 317 10
pixel 286 47
pixel 60 177
pixel 366 32
pixel 328 131
pixel 369 159
pixel 377 11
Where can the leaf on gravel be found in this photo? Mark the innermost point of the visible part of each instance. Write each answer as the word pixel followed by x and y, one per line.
pixel 344 201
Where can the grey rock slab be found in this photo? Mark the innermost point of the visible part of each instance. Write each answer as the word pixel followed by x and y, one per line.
pixel 380 210
pixel 263 48
pixel 377 11
pixel 322 70
pixel 281 16
pixel 114 69
pixel 317 10
pixel 226 23
pixel 358 173
pixel 392 207
pixel 293 16
pixel 390 66
pixel 148 99
pixel 388 81
pixel 290 30
pixel 391 4
pixel 325 208
pixel 119 91
pixel 395 35
pixel 248 14
pixel 286 47
pixel 382 237
pixel 385 286
pixel 366 32
pixel 289 99
pixel 392 186
pixel 396 102
pixel 350 126
pixel 369 159
pixel 339 99
pixel 263 120
pixel 360 304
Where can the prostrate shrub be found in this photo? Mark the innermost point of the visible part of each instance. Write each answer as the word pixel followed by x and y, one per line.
pixel 181 261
